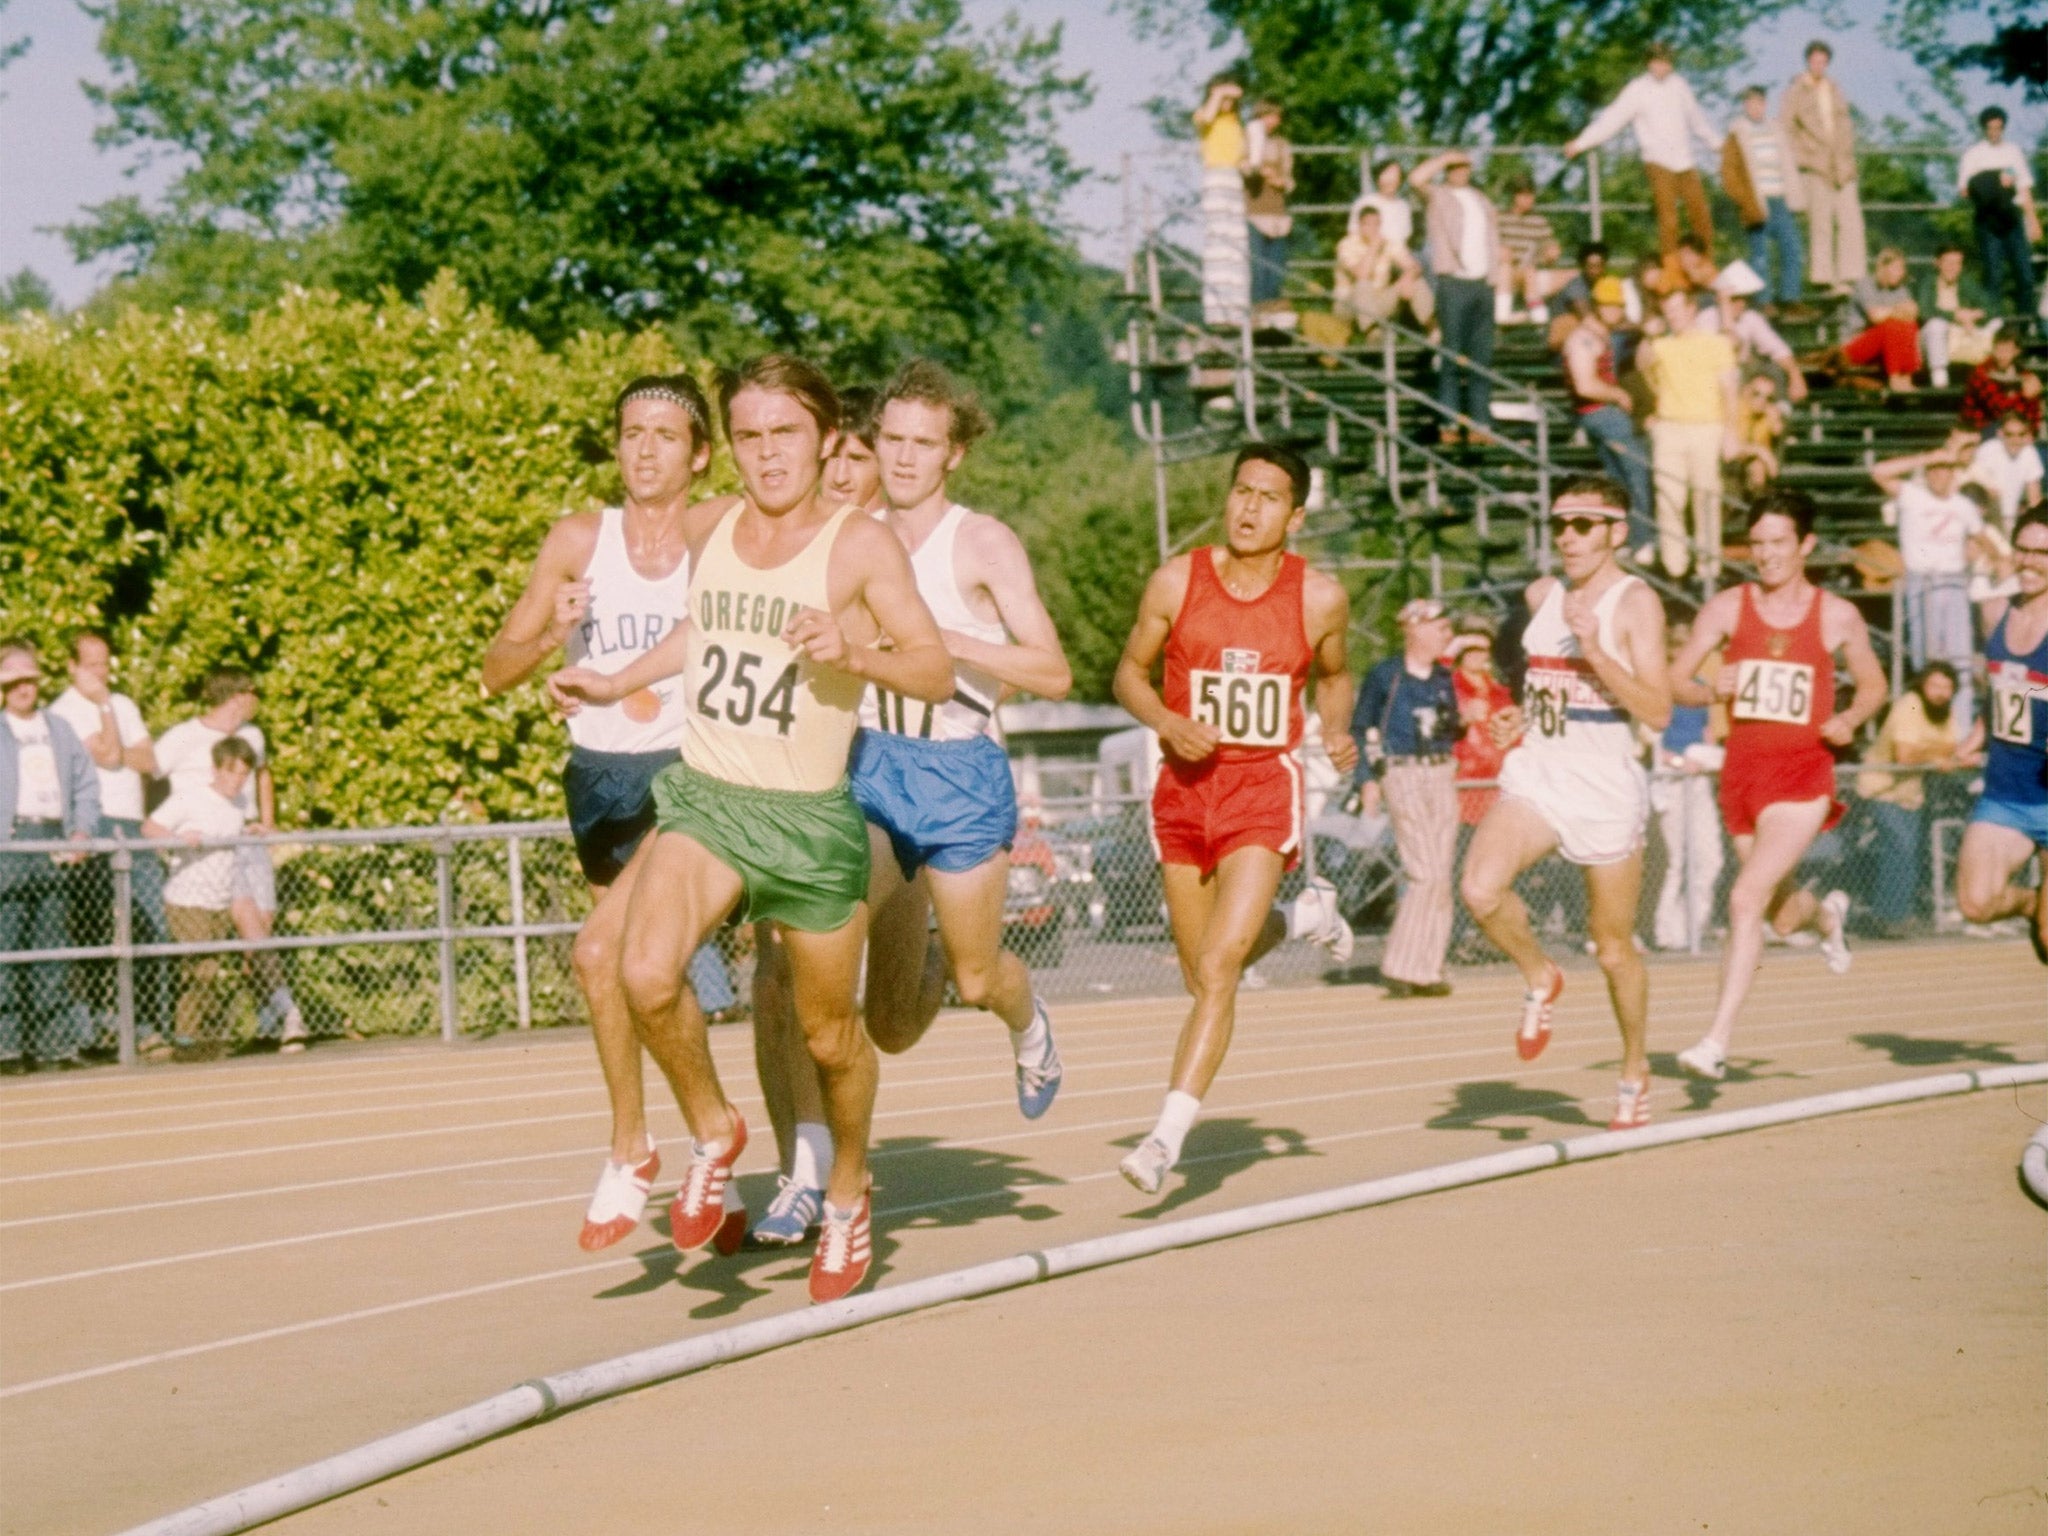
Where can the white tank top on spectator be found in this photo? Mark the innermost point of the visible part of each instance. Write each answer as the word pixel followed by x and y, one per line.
pixel 184 755
pixel 1568 708
pixel 629 614
pixel 971 712
pixel 39 796
pixel 120 788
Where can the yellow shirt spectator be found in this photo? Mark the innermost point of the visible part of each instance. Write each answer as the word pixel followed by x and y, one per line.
pixel 1223 140
pixel 1908 737
pixel 1685 373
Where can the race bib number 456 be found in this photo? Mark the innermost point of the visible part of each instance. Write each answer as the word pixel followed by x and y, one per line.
pixel 1773 690
pixel 1247 709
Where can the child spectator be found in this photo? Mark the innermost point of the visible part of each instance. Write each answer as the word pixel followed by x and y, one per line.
pixel 2000 387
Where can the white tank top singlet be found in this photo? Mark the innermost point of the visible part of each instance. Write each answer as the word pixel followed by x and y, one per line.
pixel 1567 707
pixel 761 714
pixel 971 712
pixel 629 614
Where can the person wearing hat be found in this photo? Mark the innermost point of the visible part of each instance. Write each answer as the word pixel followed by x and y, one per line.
pixel 1757 342
pixel 1592 369
pixel 1406 725
pixel 1820 131
pixel 1464 255
pixel 48 793
pixel 1995 179
pixel 1660 106
pixel 1760 179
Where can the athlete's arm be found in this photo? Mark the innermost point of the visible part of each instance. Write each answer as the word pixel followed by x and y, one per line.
pixel 1327 608
pixel 554 603
pixel 914 663
pixel 1189 741
pixel 1644 692
pixel 1851 636
pixel 1710 631
pixel 1034 660
pixel 573 687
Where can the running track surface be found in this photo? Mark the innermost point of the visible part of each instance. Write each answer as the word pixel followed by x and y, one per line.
pixel 210 1275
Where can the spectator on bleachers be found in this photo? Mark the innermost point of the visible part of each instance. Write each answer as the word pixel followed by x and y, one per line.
pixel 1397 214
pixel 1995 179
pixel 1268 178
pixel 1955 316
pixel 1226 245
pixel 1693 265
pixel 48 794
pixel 1925 726
pixel 200 893
pixel 1660 107
pixel 1821 133
pixel 2000 387
pixel 1940 530
pixel 1375 276
pixel 1604 408
pixel 1529 253
pixel 2008 466
pixel 1760 178
pixel 1464 250
pixel 1891 323
pixel 1758 346
pixel 1685 754
pixel 1760 434
pixel 1696 383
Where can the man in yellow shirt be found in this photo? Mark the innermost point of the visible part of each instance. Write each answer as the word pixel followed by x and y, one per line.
pixel 1695 378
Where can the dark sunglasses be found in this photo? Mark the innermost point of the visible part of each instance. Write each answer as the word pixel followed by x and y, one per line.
pixel 1581 525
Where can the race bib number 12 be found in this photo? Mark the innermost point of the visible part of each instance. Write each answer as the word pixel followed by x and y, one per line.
pixel 1773 690
pixel 1247 709
pixel 2012 714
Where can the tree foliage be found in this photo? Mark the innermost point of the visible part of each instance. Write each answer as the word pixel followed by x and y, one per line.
pixel 849 177
pixel 2006 39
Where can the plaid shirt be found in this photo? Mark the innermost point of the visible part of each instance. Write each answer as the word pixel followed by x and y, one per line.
pixel 1987 398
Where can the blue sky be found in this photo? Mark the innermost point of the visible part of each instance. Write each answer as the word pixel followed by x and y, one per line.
pixel 50 168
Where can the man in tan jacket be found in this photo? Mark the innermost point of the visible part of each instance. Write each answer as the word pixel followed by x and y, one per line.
pixel 1822 136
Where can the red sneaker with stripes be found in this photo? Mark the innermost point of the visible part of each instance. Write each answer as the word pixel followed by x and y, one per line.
pixel 621 1198
pixel 1535 1031
pixel 845 1249
pixel 700 1211
pixel 1631 1106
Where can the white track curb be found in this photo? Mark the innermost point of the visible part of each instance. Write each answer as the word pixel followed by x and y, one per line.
pixel 533 1401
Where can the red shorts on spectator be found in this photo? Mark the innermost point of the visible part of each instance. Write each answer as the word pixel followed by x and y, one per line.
pixel 1895 342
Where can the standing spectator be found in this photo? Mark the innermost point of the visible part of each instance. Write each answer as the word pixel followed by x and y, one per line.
pixel 1226 275
pixel 201 891
pixel 1955 325
pixel 1695 382
pixel 1464 251
pixel 1375 276
pixel 185 757
pixel 1268 178
pixel 1397 214
pixel 2008 466
pixel 111 729
pixel 1923 729
pixel 1891 323
pixel 1759 176
pixel 1821 132
pixel 1666 117
pixel 1593 373
pixel 1529 254
pixel 1999 185
pixel 1405 723
pixel 1938 525
pixel 1757 342
pixel 48 793
pixel 1687 753
pixel 1487 716
pixel 1999 387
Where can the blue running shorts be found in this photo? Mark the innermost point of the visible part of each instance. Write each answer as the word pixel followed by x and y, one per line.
pixel 611 806
pixel 2027 820
pixel 949 804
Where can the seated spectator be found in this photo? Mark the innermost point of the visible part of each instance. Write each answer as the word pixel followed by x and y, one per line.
pixel 2000 387
pixel 48 794
pixel 1922 729
pixel 1955 324
pixel 1760 430
pixel 2008 467
pixel 201 890
pixel 1757 342
pixel 1891 322
pixel 1529 254
pixel 1761 179
pixel 1397 214
pixel 1593 372
pixel 1696 267
pixel 1376 276
pixel 1685 755
pixel 1940 529
pixel 1994 177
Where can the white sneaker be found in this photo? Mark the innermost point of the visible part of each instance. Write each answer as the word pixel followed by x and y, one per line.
pixel 1145 1167
pixel 1834 946
pixel 1316 918
pixel 295 1033
pixel 1704 1060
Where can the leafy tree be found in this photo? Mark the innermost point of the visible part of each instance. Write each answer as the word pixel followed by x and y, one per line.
pixel 26 293
pixel 11 50
pixel 851 177
pixel 2008 40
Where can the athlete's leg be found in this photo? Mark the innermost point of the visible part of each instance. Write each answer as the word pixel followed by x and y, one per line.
pixel 1238 910
pixel 824 971
pixel 1990 857
pixel 1612 891
pixel 595 959
pixel 1511 838
pixel 1784 832
pixel 969 904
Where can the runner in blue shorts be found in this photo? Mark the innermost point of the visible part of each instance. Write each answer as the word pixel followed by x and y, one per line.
pixel 2010 823
pixel 933 780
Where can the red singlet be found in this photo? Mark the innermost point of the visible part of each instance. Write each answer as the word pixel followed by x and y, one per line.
pixel 1784 691
pixel 1241 666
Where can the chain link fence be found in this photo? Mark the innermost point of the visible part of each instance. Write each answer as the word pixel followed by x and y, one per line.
pixel 467 930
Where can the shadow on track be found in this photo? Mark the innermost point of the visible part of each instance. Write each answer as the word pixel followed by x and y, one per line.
pixel 1215 1150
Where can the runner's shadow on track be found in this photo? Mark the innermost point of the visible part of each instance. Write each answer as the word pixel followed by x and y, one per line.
pixel 1701 1092
pixel 1475 1104
pixel 1215 1150
pixel 1907 1051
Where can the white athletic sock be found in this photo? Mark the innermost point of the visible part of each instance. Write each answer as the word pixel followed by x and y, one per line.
pixel 1176 1119
pixel 812 1155
pixel 1029 1044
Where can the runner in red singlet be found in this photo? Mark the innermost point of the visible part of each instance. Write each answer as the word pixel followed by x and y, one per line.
pixel 1242 628
pixel 1782 635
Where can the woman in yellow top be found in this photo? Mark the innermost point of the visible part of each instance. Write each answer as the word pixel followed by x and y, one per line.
pixel 1226 244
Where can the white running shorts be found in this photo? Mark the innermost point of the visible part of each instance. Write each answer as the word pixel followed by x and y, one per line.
pixel 1598 804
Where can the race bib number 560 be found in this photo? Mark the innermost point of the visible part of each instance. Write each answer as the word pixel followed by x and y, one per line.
pixel 1247 709
pixel 1773 690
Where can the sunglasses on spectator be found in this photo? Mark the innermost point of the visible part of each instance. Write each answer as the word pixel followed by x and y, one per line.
pixel 1581 525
